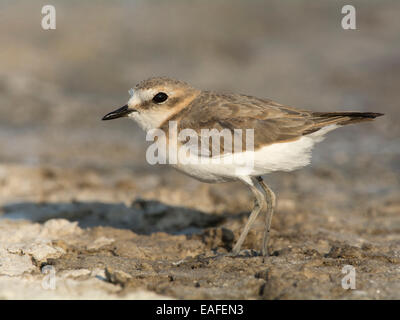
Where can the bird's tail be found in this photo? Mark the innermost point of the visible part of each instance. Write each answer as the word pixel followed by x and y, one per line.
pixel 342 118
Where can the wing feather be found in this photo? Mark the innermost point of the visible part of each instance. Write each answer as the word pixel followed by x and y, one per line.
pixel 271 121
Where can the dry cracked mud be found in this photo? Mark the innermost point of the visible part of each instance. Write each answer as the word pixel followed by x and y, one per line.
pixel 143 248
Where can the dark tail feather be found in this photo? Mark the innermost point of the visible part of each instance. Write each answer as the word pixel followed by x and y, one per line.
pixel 342 118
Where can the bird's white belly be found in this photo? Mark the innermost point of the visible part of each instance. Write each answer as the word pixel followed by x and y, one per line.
pixel 285 156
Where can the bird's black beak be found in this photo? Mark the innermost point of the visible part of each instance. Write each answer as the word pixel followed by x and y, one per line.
pixel 119 113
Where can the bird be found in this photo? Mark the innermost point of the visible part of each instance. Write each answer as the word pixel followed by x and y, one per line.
pixel 282 137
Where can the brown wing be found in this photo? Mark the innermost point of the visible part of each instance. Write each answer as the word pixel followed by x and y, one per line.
pixel 272 122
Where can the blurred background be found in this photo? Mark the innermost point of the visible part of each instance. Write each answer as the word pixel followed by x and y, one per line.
pixel 55 85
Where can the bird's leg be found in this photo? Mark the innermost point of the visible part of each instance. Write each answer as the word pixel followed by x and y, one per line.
pixel 259 205
pixel 271 200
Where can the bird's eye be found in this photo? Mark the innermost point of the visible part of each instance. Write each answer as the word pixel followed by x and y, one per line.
pixel 160 97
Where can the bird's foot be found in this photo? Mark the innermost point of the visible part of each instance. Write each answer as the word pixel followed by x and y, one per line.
pixel 246 253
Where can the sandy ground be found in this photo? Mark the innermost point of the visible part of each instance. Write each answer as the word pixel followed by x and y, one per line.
pixel 78 198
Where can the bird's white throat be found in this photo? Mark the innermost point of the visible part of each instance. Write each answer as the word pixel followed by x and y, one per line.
pixel 149 119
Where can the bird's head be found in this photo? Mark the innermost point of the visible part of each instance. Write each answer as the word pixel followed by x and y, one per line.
pixel 154 101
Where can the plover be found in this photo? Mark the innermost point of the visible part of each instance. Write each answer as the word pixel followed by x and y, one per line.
pixel 283 136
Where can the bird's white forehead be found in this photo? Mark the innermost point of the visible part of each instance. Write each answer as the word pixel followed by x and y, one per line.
pixel 140 95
